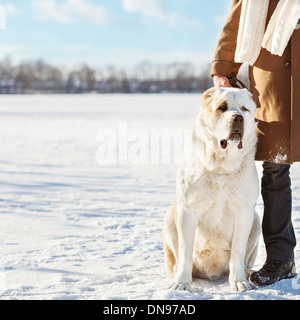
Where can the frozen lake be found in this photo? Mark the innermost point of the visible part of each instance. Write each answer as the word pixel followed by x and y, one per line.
pixel 73 227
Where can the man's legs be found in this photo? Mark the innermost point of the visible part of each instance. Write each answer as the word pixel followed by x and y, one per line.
pixel 277 226
pixel 278 232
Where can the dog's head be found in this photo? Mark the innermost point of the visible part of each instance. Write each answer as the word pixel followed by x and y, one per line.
pixel 228 114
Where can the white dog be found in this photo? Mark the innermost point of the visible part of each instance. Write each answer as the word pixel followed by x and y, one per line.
pixel 212 228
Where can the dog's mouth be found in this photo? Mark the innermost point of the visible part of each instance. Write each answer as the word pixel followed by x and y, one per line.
pixel 235 137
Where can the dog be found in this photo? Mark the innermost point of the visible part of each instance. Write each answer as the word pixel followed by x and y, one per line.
pixel 212 228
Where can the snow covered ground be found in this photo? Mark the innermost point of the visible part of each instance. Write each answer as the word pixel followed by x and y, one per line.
pixel 73 228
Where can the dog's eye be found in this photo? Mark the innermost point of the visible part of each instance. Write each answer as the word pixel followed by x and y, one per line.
pixel 244 109
pixel 223 107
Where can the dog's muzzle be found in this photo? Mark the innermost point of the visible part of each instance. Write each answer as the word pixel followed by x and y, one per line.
pixel 237 131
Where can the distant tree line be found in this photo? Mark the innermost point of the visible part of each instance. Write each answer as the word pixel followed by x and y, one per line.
pixel 41 77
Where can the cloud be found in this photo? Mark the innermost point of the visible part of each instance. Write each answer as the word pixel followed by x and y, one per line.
pixel 155 9
pixel 220 20
pixel 12 10
pixel 175 20
pixel 74 48
pixel 149 8
pixel 7 49
pixel 69 11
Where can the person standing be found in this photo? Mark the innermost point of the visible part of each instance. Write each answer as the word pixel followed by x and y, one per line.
pixel 265 34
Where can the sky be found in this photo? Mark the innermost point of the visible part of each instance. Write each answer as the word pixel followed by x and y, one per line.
pixel 111 32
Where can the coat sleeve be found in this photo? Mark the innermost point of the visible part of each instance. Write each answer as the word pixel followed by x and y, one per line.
pixel 223 61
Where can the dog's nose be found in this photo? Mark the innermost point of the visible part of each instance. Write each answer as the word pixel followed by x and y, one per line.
pixel 237 118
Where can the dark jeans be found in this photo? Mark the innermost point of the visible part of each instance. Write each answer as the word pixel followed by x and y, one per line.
pixel 277 227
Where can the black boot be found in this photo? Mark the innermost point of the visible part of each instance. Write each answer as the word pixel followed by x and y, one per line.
pixel 273 271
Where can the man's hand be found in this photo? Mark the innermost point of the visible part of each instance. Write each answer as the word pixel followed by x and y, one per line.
pixel 221 81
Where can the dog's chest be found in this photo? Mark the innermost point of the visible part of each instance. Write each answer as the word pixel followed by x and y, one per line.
pixel 214 188
pixel 214 195
pixel 213 203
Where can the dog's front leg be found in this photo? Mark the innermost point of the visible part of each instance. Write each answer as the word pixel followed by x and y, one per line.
pixel 242 228
pixel 186 227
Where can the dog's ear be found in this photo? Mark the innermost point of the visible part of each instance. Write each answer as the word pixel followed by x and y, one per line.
pixel 208 93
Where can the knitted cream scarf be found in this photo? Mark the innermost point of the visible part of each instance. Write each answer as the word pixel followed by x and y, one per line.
pixel 252 35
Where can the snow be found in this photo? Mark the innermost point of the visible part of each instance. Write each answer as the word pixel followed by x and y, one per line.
pixel 73 228
pixel 280 158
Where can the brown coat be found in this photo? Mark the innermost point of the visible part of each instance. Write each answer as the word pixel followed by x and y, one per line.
pixel 275 85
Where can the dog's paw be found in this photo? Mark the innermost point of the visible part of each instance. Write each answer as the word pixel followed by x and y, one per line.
pixel 181 286
pixel 240 286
